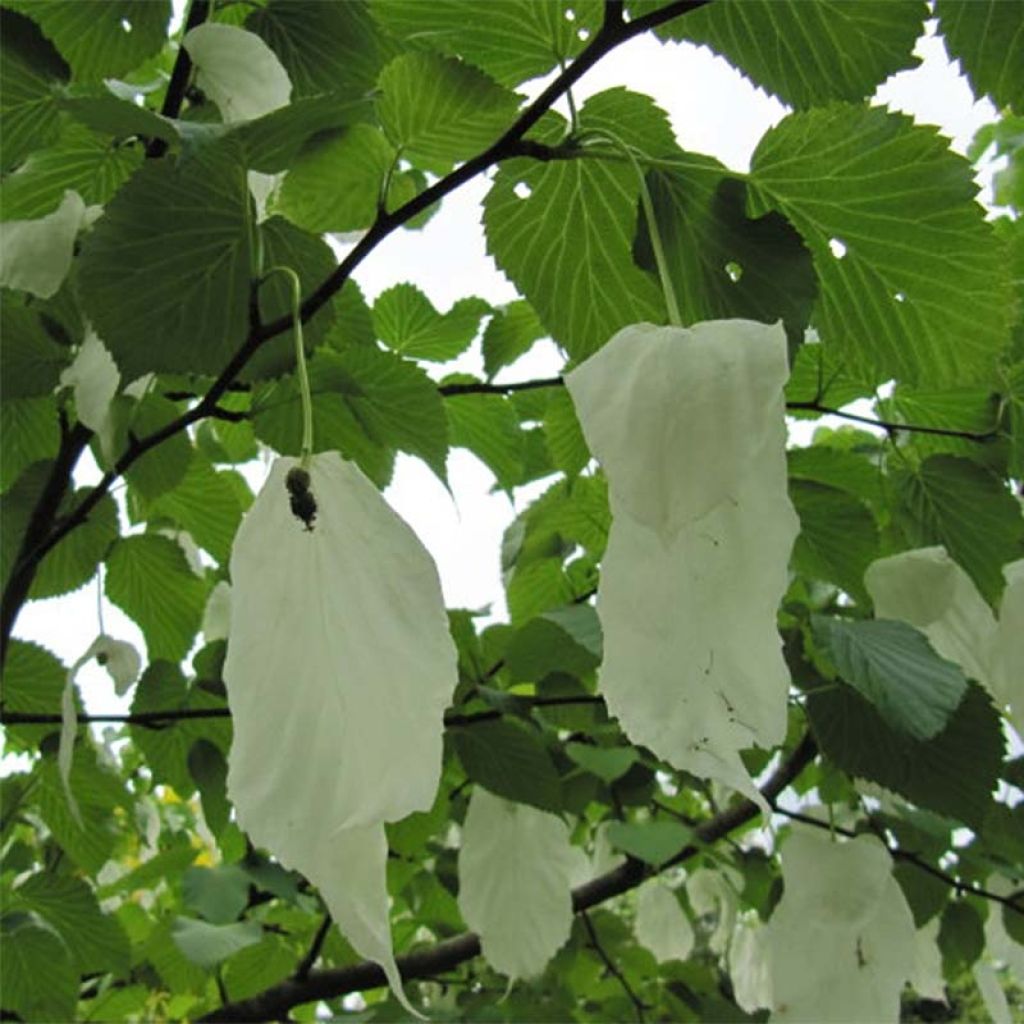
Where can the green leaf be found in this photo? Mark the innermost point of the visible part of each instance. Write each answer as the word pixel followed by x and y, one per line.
pixel 836 468
pixel 208 944
pixel 508 759
pixel 252 970
pixel 607 763
pixel 364 401
pixel 73 561
pixel 441 110
pixel 165 272
pixel 512 40
pixel 209 771
pixel 537 587
pixel 324 47
pixel 838 538
pixel 488 426
pixel 653 842
pixel 959 504
pixel 953 774
pixel 974 410
pixel 31 360
pixel 31 433
pixel 96 941
pixel 820 377
pixel 567 245
pixel 169 863
pixel 406 321
pixel 916 290
pixel 219 894
pixel 809 53
pixel 164 466
pixel 985 36
pixel 33 682
pixel 104 38
pixel 285 245
pixel 925 894
pixel 205 503
pixel 566 442
pixel 167 749
pixel 81 161
pixel 31 72
pixel 545 645
pixel 895 668
pixel 961 937
pixel 150 581
pixel 510 333
pixel 40 981
pixel 336 182
pixel 108 115
pixel 353 321
pixel 722 263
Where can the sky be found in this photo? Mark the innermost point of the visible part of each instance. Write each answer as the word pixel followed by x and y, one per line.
pixel 714 111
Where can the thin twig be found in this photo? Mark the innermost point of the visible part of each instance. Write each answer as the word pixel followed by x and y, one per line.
pixel 908 428
pixel 638 1004
pixel 308 962
pixel 482 388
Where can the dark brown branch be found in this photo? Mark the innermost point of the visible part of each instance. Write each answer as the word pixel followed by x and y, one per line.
pixel 198 12
pixel 308 962
pixel 638 1004
pixel 276 1001
pixel 482 388
pixel 1013 902
pixel 908 428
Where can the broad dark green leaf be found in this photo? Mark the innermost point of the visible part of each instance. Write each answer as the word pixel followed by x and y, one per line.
pixel 209 771
pixel 353 320
pixel 512 40
pixel 103 38
pixel 550 643
pixel 563 232
pixel 252 970
pixel 808 53
pixel 838 537
pixel 73 561
pixel 109 115
pixel 925 894
pixel 31 433
pixel 33 681
pixel 488 426
pixel 654 842
pixel 895 668
pixel 324 47
pixel 986 37
pixel 406 321
pixel 953 774
pixel 40 980
pixel 566 442
pixel 31 71
pixel 607 763
pixel 959 504
pixel 441 110
pixel 819 376
pixel 149 579
pixel 510 333
pixel 961 937
pixel 83 161
pixel 336 182
pixel 208 944
pixel 722 263
pixel 508 759
pixel 96 941
pixel 218 894
pixel 165 272
pixel 912 281
pixel 164 466
pixel 837 468
pixel 31 360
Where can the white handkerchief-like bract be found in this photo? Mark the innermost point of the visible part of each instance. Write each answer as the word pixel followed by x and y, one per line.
pixel 515 871
pixel 688 424
pixel 926 588
pixel 35 255
pixel 338 670
pixel 661 925
pixel 95 378
pixel 749 968
pixel 841 940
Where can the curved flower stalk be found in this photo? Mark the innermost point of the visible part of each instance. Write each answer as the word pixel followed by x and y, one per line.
pixel 338 671
pixel 688 424
pixel 841 941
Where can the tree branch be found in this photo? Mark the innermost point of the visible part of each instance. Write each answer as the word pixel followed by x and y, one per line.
pixel 276 1001
pixel 908 428
pixel 638 1004
pixel 481 388
pixel 308 962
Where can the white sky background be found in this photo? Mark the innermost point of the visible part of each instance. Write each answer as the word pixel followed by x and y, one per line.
pixel 713 110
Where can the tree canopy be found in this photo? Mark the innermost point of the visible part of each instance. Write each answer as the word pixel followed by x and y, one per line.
pixel 331 791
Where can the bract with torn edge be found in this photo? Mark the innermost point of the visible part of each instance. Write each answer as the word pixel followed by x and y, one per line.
pixel 688 424
pixel 841 940
pixel 338 670
pixel 515 870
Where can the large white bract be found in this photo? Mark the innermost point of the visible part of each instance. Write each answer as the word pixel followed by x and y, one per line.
pixel 841 940
pixel 688 424
pixel 515 871
pixel 339 667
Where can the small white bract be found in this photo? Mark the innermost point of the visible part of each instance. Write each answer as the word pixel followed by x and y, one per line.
pixel 515 871
pixel 689 427
pixel 661 925
pixel 35 255
pixel 338 670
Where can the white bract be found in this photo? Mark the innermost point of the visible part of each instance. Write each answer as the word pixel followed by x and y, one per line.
pixel 927 979
pixel 992 994
pixel 714 895
pixel 338 670
pixel 689 427
pixel 749 967
pixel 35 255
pixel 515 871
pixel 661 924
pixel 94 378
pixel 238 71
pixel 217 614
pixel 841 940
pixel 926 588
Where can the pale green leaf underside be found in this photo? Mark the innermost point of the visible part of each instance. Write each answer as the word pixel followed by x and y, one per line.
pixel 917 288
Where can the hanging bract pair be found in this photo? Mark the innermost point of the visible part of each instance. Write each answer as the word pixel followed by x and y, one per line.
pixel 688 425
pixel 339 667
